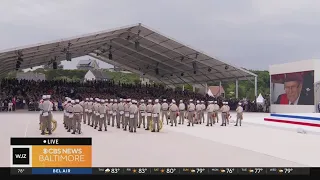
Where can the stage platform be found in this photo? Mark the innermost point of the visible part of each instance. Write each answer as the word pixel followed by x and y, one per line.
pixel 257 143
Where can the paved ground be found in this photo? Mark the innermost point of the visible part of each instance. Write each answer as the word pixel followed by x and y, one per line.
pixel 250 145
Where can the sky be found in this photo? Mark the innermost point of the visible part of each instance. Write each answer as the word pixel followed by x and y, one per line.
pixel 248 33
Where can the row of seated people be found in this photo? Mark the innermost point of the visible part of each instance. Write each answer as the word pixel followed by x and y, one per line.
pixel 25 94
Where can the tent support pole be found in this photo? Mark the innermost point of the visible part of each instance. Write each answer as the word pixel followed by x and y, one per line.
pixel 219 89
pixel 237 89
pixel 256 86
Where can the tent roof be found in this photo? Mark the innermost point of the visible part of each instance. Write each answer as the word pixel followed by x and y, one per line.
pixel 100 74
pixel 85 62
pixel 155 51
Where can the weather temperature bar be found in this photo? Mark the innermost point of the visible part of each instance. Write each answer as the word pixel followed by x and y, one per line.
pixel 165 171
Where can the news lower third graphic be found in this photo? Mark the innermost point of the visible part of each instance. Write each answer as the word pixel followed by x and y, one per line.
pixel 52 155
pixel 165 171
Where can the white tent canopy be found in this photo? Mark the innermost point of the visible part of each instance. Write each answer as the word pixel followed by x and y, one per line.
pixel 260 99
pixel 210 93
pixel 136 48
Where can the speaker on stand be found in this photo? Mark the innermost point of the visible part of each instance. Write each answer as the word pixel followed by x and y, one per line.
pixel 55 65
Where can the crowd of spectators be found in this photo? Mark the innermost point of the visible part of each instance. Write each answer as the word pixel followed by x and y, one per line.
pixel 23 94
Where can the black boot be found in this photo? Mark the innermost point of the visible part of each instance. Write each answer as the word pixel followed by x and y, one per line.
pixel 153 131
pixel 69 130
pixel 49 132
pixel 105 129
pixel 188 124
pixel 100 129
pixel 74 132
pixel 42 133
pixel 147 129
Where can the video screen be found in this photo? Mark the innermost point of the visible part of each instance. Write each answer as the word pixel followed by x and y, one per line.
pixel 293 88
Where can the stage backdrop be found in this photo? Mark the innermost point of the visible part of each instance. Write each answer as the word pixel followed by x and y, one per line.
pixel 294 88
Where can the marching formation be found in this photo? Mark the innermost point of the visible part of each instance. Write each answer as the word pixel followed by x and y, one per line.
pixel 129 114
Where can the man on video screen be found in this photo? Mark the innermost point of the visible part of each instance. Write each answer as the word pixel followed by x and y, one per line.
pixel 293 86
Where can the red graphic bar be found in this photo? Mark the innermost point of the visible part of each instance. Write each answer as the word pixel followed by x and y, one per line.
pixel 292 122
